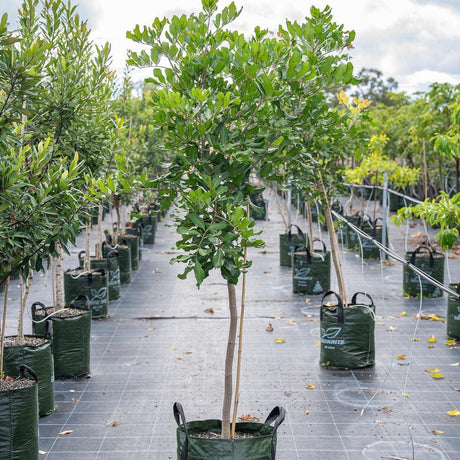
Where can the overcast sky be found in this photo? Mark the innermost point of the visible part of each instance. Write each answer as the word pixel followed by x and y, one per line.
pixel 414 41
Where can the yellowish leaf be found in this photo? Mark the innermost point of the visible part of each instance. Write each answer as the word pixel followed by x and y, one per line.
pixel 437 431
pixel 453 413
pixel 437 375
pixel 74 399
pixel 248 418
pixel 307 300
pixel 450 343
pixel 432 339
pixel 405 394
pixel 63 433
pixel 414 339
pixel 403 313
pixel 306 412
pixel 431 346
pixel 291 321
pixel 277 318
pixel 313 320
pixel 311 386
pixel 318 344
pixel 400 356
pixel 280 340
pixel 378 421
pixel 152 328
pixel 174 347
pixel 380 323
pixel 179 358
pixel 431 371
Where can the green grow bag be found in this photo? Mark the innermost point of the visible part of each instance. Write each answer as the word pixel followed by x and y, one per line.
pixel 347 333
pixel 149 228
pixel 110 264
pixel 288 242
pixel 136 231
pixel 39 358
pixel 93 284
pixel 453 313
pixel 124 260
pixel 311 272
pixel 260 446
pixel 259 207
pixel 133 242
pixel 352 239
pixel 375 230
pixel 70 338
pixel 430 262
pixel 19 421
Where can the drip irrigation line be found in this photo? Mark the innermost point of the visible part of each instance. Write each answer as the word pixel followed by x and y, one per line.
pixel 397 257
pixel 379 187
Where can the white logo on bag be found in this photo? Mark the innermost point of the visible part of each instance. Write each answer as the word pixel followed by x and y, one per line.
pixel 302 273
pixel 98 297
pixel 148 230
pixel 328 336
pixel 114 278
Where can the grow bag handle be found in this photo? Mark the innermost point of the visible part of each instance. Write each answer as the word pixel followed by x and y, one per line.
pixel 355 296
pixel 23 368
pixel 422 247
pixel 324 249
pixel 289 232
pixel 34 308
pixel 48 323
pixel 339 306
pixel 81 255
pixel 112 253
pixel 303 248
pixel 122 240
pixel 81 297
pixel 377 219
pixel 180 417
pixel 277 415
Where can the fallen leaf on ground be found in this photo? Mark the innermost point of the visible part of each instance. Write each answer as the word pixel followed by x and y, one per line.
pixel 437 375
pixel 307 300
pixel 416 235
pixel 291 321
pixel 403 313
pixel 88 376
pixel 115 423
pixel 431 346
pixel 314 320
pixel 277 318
pixel 311 386
pixel 454 364
pixel 400 356
pixel 306 412
pixel 437 431
pixel 209 310
pixel 74 399
pixel 451 342
pixel 415 339
pixel 248 418
pixel 379 421
pixel 392 328
pixel 267 272
pixel 188 352
pixel 63 433
pixel 405 394
pixel 71 391
pixel 453 413
pixel 179 358
pixel 269 328
pixel 432 370
pixel 42 452
pixel 280 340
pixel 432 339
pixel 318 344
pixel 152 328
pixel 174 347
pixel 456 389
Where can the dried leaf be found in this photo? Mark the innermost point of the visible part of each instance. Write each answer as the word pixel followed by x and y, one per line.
pixel 179 358
pixel 306 412
pixel 456 389
pixel 437 431
pixel 405 394
pixel 267 272
pixel 209 310
pixel 248 418
pixel 280 340
pixel 311 386
pixel 115 423
pixel 291 321
pixel 431 371
pixel 385 408
pixel 431 346
pixel 437 375
pixel 9 379
pixel 152 328
pixel 318 344
pixel 453 413
pixel 451 343
pixel 71 391
pixel 454 364
pixel 432 339
pixel 88 376
pixel 416 235
pixel 42 452
pixel 379 421
pixel 174 347
pixel 392 328
pixel 65 432
pixel 74 399
pixel 307 300
pixel 313 320
pixel 269 328
pixel 188 352
pixel 414 339
pixel 400 356
pixel 277 318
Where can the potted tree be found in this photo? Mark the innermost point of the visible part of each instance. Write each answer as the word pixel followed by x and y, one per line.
pixel 224 105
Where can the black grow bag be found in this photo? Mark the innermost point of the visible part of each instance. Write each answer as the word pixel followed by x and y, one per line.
pixel 93 284
pixel 453 313
pixel 111 265
pixel 70 338
pixel 430 262
pixel 260 446
pixel 288 242
pixel 347 333
pixel 39 358
pixel 19 421
pixel 311 272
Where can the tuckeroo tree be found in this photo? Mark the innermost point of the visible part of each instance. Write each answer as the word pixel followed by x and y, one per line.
pixel 229 106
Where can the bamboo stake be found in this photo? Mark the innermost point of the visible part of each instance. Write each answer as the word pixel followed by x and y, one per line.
pixel 22 306
pixel 99 233
pixel 240 343
pixel 310 224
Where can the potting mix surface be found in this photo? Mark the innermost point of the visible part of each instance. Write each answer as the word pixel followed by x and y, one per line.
pixel 164 341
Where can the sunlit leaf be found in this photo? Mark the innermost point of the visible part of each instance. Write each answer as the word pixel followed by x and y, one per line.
pixel 453 413
pixel 450 343
pixel 400 356
pixel 437 431
pixel 403 313
pixel 432 370
pixel 291 321
pixel 65 432
pixel 405 394
pixel 432 339
pixel 311 386
pixel 454 364
pixel 280 340
pixel 437 375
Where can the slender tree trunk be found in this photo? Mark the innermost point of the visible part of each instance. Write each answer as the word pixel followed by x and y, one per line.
pixel 88 246
pixel 228 382
pixel 309 225
pixel 335 251
pixel 99 233
pixel 22 305
pixel 59 273
pixel 2 334
pixel 425 172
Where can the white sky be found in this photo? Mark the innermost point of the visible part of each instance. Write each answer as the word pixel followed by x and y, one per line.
pixel 414 41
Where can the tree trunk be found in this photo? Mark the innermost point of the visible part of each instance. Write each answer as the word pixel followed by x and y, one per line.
pixel 228 382
pixel 59 273
pixel 88 246
pixel 99 233
pixel 22 306
pixel 309 225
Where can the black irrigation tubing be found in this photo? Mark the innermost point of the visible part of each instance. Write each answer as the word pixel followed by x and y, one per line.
pixel 397 257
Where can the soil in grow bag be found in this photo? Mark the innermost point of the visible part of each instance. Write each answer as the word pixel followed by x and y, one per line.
pixel 93 284
pixel 347 333
pixel 71 332
pixel 19 417
pixel 288 242
pixel 35 353
pixel 453 313
pixel 133 242
pixel 110 264
pixel 430 262
pixel 200 440
pixel 311 271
